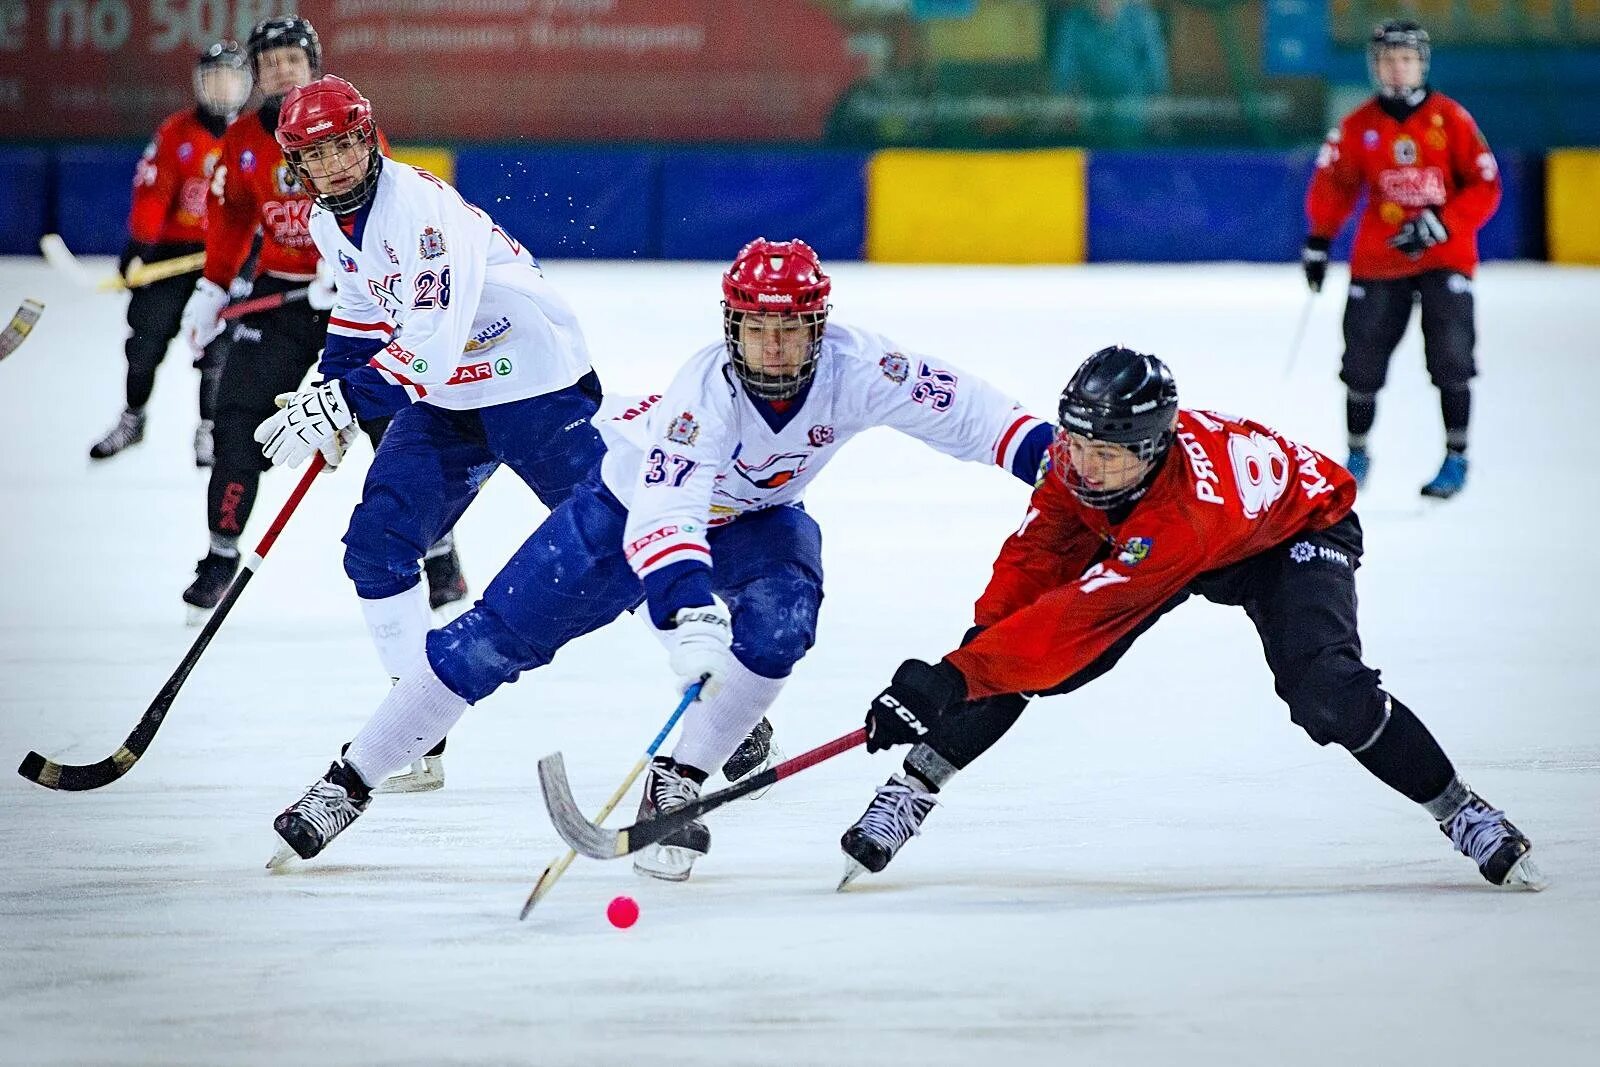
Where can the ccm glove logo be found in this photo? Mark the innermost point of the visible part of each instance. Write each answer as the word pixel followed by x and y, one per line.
pixel 905 714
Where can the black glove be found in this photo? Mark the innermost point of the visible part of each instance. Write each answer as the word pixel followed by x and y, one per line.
pixel 131 251
pixel 1419 234
pixel 1314 261
pixel 907 710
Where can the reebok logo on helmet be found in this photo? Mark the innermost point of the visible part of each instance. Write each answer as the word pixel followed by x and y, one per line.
pixel 775 298
pixel 325 124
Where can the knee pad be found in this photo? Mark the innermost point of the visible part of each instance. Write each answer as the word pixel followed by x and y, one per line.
pixel 1338 701
pixel 775 624
pixel 380 561
pixel 477 653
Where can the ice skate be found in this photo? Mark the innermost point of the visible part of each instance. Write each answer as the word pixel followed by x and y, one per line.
pixel 893 818
pixel 1503 853
pixel 205 449
pixel 212 577
pixel 446 584
pixel 1359 465
pixel 128 432
pixel 1450 480
pixel 311 823
pixel 667 789
pixel 755 754
pixel 423 776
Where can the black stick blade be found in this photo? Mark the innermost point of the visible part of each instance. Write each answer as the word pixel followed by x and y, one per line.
pixel 72 777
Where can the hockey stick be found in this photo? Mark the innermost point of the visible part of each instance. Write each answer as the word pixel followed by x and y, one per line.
pixel 20 326
pixel 1299 334
pixel 601 844
pixel 58 255
pixel 263 303
pixel 76 777
pixel 557 867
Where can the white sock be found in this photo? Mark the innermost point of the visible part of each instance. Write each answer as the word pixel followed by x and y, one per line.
pixel 398 626
pixel 713 729
pixel 414 717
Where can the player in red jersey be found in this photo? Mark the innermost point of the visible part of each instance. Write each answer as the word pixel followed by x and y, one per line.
pixel 1145 505
pixel 1431 183
pixel 167 220
pixel 252 189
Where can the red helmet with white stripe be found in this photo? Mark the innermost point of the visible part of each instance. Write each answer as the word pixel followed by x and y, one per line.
pixel 774 308
pixel 330 142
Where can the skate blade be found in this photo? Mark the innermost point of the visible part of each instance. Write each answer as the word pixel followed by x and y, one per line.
pixel 852 871
pixel 424 776
pixel 774 757
pixel 1524 875
pixel 194 616
pixel 284 858
pixel 666 863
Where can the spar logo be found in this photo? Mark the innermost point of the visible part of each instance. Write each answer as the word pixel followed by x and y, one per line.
pixel 471 372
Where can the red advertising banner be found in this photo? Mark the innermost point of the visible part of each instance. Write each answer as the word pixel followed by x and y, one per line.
pixel 567 70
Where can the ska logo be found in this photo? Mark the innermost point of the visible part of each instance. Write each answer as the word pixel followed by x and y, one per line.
pixel 775 472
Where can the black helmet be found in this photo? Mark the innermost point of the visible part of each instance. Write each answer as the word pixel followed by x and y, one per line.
pixel 1124 398
pixel 1398 33
pixel 222 78
pixel 285 31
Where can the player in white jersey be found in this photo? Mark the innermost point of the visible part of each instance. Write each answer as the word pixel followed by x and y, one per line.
pixel 443 321
pixel 698 500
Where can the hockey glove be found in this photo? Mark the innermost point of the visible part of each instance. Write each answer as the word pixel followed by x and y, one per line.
pixel 1419 234
pixel 131 251
pixel 700 647
pixel 320 294
pixel 904 713
pixel 200 324
pixel 309 422
pixel 1314 261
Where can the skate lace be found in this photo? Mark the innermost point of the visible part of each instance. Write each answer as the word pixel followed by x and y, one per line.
pixel 670 790
pixel 1477 830
pixel 896 813
pixel 123 432
pixel 327 807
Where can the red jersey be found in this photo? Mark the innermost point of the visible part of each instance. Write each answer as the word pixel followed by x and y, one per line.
pixel 1436 158
pixel 171 181
pixel 1068 584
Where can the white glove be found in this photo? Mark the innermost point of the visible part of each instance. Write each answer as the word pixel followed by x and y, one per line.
pixel 700 646
pixel 241 287
pixel 200 324
pixel 309 422
pixel 322 292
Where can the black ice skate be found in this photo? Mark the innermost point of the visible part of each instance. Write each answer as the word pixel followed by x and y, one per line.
pixel 205 447
pixel 1484 835
pixel 128 432
pixel 212 577
pixel 893 818
pixel 446 583
pixel 666 789
pixel 310 824
pixel 755 754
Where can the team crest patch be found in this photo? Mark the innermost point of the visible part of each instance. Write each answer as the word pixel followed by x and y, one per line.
pixel 247 161
pixel 683 430
pixel 1405 151
pixel 895 367
pixel 185 150
pixel 431 244
pixel 1370 139
pixel 1134 550
pixel 820 436
pixel 347 263
pixel 283 177
pixel 388 250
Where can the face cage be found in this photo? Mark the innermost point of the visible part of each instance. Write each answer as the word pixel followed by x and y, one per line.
pixel 1149 452
pixel 1376 49
pixel 354 198
pixel 216 100
pixel 773 386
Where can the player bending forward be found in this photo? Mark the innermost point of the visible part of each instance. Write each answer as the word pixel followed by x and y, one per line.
pixel 1122 529
pixel 447 324
pixel 699 496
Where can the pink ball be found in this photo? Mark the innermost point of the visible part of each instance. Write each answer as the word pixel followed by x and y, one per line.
pixel 623 912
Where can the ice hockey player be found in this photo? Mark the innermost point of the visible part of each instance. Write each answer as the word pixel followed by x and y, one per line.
pixel 1430 183
pixel 698 498
pixel 253 189
pixel 1144 505
pixel 443 322
pixel 167 221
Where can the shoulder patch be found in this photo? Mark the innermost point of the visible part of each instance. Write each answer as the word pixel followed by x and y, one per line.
pixel 1134 550
pixel 683 430
pixel 895 367
pixel 431 244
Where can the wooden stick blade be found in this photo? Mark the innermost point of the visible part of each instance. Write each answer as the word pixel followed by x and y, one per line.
pixel 578 832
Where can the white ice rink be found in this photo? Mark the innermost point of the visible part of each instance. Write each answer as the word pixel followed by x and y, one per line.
pixel 1157 870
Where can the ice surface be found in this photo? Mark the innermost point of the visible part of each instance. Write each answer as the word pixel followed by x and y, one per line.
pixel 1157 870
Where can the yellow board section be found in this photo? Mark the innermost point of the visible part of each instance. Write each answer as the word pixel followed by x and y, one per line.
pixel 976 207
pixel 1572 196
pixel 439 162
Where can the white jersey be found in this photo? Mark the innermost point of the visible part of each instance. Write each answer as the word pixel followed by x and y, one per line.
pixel 465 315
pixel 704 453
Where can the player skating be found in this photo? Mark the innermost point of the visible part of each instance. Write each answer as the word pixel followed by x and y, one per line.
pixel 253 189
pixel 167 221
pixel 1430 183
pixel 444 322
pixel 1145 505
pixel 698 498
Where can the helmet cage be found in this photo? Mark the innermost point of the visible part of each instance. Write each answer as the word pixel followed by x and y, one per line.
pixel 758 381
pixel 285 31
pixel 1400 33
pixel 222 80
pixel 362 134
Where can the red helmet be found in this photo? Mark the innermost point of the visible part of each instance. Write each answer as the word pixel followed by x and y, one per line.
pixel 331 115
pixel 782 278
